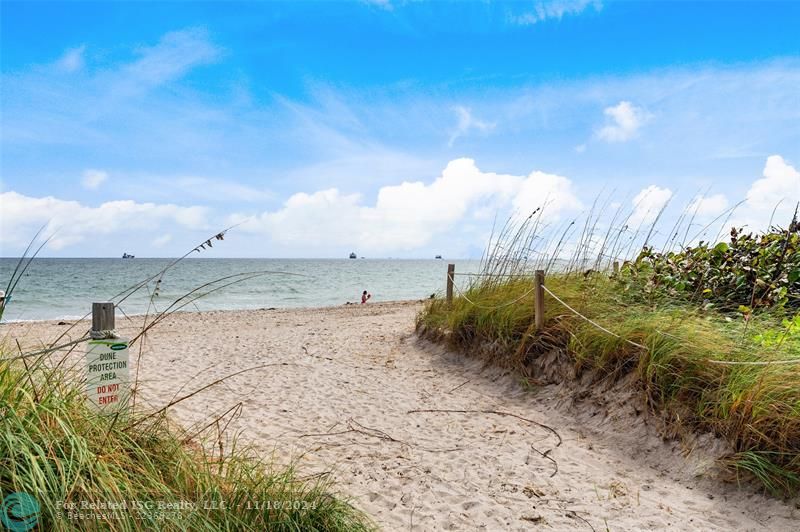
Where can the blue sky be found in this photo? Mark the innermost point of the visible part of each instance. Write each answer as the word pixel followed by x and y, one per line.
pixel 391 128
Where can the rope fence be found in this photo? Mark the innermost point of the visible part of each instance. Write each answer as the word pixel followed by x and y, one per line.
pixel 539 289
pixel 590 320
pixel 507 304
pixel 523 274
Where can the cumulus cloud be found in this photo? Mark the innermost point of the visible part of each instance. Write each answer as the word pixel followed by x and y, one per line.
pixel 92 179
pixel 409 215
pixel 553 192
pixel 780 184
pixel 773 197
pixel 70 222
pixel 622 122
pixel 647 205
pixel 555 9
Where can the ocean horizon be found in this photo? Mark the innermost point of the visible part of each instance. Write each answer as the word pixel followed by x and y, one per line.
pixel 64 288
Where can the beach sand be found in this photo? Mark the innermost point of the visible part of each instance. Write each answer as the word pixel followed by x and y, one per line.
pixel 339 398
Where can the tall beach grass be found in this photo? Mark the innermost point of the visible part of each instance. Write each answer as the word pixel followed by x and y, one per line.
pixel 733 369
pixel 136 470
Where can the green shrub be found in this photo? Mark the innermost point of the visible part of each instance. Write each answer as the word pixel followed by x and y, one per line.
pixel 749 272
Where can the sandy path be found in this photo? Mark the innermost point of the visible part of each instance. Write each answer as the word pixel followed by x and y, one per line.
pixel 342 403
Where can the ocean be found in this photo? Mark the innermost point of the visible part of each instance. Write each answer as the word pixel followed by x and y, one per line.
pixel 65 288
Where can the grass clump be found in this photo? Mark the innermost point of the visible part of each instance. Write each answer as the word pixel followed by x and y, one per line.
pixel 755 407
pixel 69 467
pixel 704 360
pixel 89 471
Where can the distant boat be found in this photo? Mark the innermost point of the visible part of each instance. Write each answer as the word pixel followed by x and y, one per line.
pixel 438 256
pixel 353 256
pixel 127 256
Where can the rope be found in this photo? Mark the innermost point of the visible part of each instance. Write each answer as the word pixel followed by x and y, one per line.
pixel 523 274
pixel 760 363
pixel 463 295
pixel 590 320
pixel 103 335
pixel 732 362
pixel 709 360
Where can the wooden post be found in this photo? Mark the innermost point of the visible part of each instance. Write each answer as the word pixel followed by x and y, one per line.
pixel 107 371
pixel 102 319
pixel 616 268
pixel 538 299
pixel 451 270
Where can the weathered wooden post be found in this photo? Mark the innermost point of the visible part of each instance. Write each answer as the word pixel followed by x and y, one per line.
pixel 451 271
pixel 102 320
pixel 538 299
pixel 107 372
pixel 616 268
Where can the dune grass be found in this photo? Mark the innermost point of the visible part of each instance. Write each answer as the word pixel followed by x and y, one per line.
pixel 79 469
pixel 710 329
pixel 89 471
pixel 755 407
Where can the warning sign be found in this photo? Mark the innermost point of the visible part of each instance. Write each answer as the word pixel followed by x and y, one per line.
pixel 107 373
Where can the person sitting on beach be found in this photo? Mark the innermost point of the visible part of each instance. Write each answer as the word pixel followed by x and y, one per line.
pixel 365 296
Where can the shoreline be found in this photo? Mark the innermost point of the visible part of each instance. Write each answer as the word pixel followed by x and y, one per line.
pixel 351 392
pixel 88 317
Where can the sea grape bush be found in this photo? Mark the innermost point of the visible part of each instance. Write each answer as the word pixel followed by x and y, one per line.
pixel 747 273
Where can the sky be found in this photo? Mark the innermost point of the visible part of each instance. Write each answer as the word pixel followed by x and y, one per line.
pixel 389 128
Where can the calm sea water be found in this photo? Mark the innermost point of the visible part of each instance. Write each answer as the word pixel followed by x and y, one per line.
pixel 66 288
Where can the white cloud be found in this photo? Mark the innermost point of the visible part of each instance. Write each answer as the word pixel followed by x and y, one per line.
pixel 780 184
pixel 773 197
pixel 92 179
pixel 553 192
pixel 368 137
pixel 117 104
pixel 708 206
pixel 71 222
pixel 648 204
pixel 623 122
pixel 466 123
pixel 72 60
pixel 555 9
pixel 408 215
pixel 175 54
